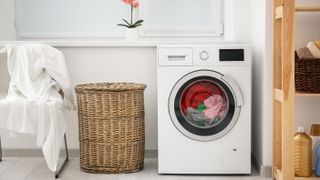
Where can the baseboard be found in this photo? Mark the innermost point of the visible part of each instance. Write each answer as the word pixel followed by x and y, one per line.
pixel 264 171
pixel 73 153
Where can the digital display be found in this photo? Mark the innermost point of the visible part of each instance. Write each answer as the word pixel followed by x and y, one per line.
pixel 231 54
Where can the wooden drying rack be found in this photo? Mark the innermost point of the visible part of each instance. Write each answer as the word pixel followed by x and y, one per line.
pixel 284 88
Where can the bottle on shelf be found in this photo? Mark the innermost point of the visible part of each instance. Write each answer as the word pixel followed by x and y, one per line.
pixel 317 170
pixel 315 136
pixel 302 153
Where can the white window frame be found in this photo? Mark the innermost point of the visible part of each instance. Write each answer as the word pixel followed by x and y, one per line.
pixel 23 35
pixel 164 31
pixel 145 31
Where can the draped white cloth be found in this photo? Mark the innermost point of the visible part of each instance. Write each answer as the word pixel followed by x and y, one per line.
pixel 39 96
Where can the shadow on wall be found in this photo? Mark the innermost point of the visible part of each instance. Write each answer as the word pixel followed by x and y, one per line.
pixel 4 76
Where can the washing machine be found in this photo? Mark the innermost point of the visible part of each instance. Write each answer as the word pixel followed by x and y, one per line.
pixel 204 109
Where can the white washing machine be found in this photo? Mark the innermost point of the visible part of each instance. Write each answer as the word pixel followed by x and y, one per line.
pixel 204 109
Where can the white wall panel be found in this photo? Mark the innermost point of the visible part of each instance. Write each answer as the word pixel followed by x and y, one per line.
pixel 70 18
pixel 182 17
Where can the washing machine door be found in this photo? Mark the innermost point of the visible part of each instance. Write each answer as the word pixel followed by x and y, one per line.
pixel 204 105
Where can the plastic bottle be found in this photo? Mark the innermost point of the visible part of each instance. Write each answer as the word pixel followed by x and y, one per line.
pixel 317 169
pixel 315 136
pixel 302 153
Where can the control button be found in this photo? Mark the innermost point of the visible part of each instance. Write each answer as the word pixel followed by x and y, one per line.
pixel 204 55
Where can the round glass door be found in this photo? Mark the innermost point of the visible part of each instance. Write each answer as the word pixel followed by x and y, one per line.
pixel 202 106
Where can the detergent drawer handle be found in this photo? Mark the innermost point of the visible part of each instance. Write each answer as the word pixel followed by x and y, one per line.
pixel 177 57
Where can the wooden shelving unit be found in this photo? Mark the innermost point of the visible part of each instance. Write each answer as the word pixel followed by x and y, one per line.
pixel 307 9
pixel 284 92
pixel 307 94
pixel 307 178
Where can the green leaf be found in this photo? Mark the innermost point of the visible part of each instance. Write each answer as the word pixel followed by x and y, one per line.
pixel 123 25
pixel 138 22
pixel 136 25
pixel 126 22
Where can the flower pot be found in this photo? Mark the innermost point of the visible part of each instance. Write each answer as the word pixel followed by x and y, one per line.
pixel 132 34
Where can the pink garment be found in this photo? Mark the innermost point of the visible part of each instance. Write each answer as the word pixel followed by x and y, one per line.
pixel 215 107
pixel 223 108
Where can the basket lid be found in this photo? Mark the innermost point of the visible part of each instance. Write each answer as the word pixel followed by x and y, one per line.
pixel 111 87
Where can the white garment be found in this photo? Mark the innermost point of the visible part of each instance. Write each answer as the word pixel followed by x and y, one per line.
pixel 38 96
pixel 315 51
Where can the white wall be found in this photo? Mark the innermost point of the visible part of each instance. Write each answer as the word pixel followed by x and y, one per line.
pixel 258 40
pixel 267 87
pixel 262 81
pixel 7 20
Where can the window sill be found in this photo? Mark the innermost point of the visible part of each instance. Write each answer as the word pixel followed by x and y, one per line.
pixel 114 43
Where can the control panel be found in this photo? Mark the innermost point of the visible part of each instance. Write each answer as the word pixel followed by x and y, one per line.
pixel 204 55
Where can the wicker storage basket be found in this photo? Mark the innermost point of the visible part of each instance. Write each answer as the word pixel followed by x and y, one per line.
pixel 111 127
pixel 307 75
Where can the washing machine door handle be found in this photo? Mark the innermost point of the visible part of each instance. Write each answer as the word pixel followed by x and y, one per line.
pixel 234 88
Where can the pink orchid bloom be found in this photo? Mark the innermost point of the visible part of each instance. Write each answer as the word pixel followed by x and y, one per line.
pixel 133 3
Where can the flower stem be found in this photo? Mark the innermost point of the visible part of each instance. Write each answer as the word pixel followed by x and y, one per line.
pixel 131 14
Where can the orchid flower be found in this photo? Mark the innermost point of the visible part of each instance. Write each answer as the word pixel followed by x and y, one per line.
pixel 134 4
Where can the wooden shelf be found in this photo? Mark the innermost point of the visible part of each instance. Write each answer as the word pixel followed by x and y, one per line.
pixel 308 94
pixel 313 177
pixel 279 176
pixel 307 178
pixel 308 9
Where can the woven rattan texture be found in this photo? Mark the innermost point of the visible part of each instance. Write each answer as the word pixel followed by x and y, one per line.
pixel 111 127
pixel 307 75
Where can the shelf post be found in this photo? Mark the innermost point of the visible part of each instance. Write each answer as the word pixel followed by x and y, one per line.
pixel 284 93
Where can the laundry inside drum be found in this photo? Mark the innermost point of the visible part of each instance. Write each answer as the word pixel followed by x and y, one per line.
pixel 204 104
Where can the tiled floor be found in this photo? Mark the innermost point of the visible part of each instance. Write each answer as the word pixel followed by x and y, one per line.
pixel 36 169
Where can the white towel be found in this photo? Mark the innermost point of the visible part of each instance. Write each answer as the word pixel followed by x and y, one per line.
pixel 315 51
pixel 34 103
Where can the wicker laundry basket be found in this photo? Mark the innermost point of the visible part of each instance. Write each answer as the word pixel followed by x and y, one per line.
pixel 111 127
pixel 307 75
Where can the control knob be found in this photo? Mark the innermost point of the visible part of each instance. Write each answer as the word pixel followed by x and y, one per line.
pixel 204 55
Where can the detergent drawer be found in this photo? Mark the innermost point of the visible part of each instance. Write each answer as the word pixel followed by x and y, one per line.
pixel 174 56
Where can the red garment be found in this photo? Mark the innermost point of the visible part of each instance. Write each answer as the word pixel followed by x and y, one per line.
pixel 194 95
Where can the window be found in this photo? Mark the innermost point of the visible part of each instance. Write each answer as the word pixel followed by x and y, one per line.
pixel 70 18
pixel 98 18
pixel 182 17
